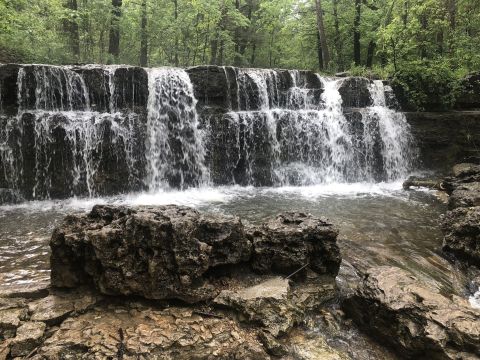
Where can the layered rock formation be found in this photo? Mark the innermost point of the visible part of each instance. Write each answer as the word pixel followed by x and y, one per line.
pixel 419 322
pixel 174 252
pixel 461 224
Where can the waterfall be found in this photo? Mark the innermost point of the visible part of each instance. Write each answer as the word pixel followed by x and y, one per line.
pixel 289 133
pixel 68 138
pixel 175 152
pixel 95 130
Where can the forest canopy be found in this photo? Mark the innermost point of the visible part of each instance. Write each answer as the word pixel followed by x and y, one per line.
pixel 412 40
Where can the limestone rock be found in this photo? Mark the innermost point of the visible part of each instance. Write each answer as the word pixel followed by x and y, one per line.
pixel 158 253
pixel 173 333
pixel 29 336
pixel 462 233
pixel 174 252
pixel 418 321
pixel 268 303
pixel 54 308
pixel 355 92
pixel 465 195
pixel 10 319
pixel 292 240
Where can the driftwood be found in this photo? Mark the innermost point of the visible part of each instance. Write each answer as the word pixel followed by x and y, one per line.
pixel 435 184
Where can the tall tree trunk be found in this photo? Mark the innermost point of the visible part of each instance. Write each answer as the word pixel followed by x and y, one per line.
pixel 370 53
pixel 338 38
pixel 406 6
pixel 175 15
pixel 356 32
pixel 452 13
pixel 319 52
pixel 71 26
pixel 237 59
pixel 144 36
pixel 114 41
pixel 321 34
pixel 254 50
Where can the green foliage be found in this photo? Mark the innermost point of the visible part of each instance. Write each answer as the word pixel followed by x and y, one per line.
pixel 425 45
pixel 428 84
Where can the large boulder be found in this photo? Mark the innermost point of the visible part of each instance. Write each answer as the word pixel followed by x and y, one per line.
pixel 418 321
pixel 462 233
pixel 174 252
pixel 293 240
pixel 157 253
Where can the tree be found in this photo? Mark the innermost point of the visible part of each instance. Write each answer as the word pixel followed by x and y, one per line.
pixel 114 39
pixel 325 55
pixel 143 36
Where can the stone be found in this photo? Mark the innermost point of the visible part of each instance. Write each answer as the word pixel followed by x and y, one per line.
pixel 158 252
pixel 10 196
pixel 10 320
pixel 355 92
pixel 33 290
pixel 54 308
pixel 173 333
pixel 268 303
pixel 465 195
pixel 29 336
pixel 461 229
pixel 465 170
pixel 416 320
pixel 293 240
pixel 175 252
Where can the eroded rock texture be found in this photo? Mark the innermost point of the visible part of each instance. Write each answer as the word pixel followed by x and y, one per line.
pixel 419 322
pixel 174 252
pixel 461 224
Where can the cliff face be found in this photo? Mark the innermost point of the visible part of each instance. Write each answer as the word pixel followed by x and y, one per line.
pixel 99 130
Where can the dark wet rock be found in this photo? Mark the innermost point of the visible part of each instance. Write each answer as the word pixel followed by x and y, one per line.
pixel 10 196
pixel 445 138
pixel 170 252
pixel 461 227
pixel 465 195
pixel 399 310
pixel 29 336
pixel 293 240
pixel 158 253
pixel 355 92
pixel 8 88
pixel 148 333
pixel 464 173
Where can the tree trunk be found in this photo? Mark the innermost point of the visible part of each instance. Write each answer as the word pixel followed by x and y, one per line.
pixel 406 7
pixel 144 36
pixel 321 34
pixel 175 15
pixel 356 32
pixel 338 38
pixel 71 26
pixel 370 53
pixel 319 52
pixel 237 58
pixel 114 41
pixel 452 13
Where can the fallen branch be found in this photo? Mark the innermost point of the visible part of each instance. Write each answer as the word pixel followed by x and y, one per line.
pixel 426 183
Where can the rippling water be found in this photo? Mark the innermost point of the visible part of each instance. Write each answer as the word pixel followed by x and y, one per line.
pixel 379 224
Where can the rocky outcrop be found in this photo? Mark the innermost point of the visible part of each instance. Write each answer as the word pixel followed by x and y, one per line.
pixel 292 240
pixel 461 224
pixel 399 310
pixel 445 138
pixel 174 252
pixel 462 233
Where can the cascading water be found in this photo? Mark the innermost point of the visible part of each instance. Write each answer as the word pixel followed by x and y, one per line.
pixel 68 136
pixel 288 133
pixel 175 152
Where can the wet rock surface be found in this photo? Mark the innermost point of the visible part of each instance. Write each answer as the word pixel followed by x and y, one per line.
pixel 396 308
pixel 172 252
pixel 461 224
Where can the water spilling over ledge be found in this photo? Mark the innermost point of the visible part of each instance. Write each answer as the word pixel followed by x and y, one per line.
pixel 95 130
